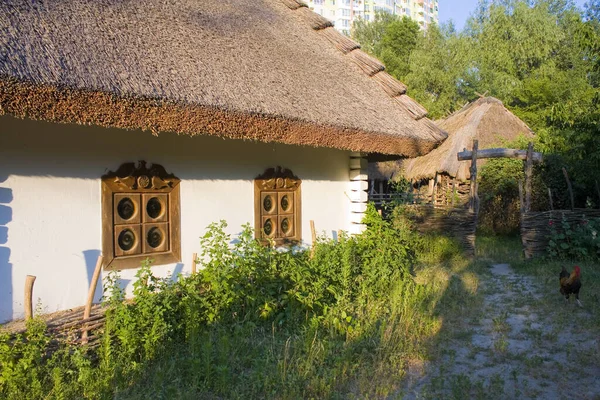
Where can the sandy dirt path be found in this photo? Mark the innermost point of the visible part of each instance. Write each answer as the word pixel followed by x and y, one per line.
pixel 525 342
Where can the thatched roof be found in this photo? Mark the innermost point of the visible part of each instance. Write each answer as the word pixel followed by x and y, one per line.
pixel 486 120
pixel 268 70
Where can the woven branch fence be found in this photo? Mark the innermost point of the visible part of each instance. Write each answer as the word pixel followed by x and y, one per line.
pixel 535 227
pixel 460 223
pixel 69 326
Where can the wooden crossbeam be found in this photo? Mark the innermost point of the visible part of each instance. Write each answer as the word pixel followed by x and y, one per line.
pixel 499 153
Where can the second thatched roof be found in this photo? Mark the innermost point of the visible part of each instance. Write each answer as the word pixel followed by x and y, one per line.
pixel 485 119
pixel 267 70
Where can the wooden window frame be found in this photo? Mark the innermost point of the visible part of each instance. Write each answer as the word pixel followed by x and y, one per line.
pixel 278 182
pixel 144 183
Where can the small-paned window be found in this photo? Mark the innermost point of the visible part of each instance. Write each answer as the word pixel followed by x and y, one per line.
pixel 277 206
pixel 140 216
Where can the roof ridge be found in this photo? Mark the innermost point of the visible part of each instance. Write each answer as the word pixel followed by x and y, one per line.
pixel 370 65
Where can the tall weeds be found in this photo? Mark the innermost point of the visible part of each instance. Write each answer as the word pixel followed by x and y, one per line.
pixel 254 322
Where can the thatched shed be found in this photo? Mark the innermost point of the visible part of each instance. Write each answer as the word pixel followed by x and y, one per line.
pixel 84 83
pixel 486 120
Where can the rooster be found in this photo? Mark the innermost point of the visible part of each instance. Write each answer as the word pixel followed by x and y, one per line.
pixel 570 283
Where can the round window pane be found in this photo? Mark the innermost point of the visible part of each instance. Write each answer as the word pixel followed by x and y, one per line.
pixel 285 225
pixel 285 203
pixel 155 237
pixel 126 208
pixel 268 203
pixel 154 208
pixel 126 239
pixel 268 227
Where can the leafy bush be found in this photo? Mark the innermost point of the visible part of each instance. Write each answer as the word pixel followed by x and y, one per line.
pixel 254 321
pixel 577 241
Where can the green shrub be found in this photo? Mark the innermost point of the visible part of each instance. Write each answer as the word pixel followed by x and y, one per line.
pixel 576 241
pixel 255 321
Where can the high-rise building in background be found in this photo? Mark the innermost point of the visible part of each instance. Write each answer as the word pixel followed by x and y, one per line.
pixel 343 12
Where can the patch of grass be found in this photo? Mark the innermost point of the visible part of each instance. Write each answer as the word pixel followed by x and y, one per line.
pixel 535 334
pixel 461 387
pixel 501 344
pixel 504 249
pixel 534 362
pixel 500 323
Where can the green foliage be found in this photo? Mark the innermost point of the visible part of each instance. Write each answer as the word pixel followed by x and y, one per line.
pixel 389 38
pixel 441 74
pixel 499 196
pixel 21 361
pixel 541 58
pixel 254 321
pixel 574 241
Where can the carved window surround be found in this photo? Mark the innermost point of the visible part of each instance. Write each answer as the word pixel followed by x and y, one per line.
pixel 140 216
pixel 277 206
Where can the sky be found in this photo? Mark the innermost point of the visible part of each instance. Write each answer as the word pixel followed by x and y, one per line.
pixel 459 10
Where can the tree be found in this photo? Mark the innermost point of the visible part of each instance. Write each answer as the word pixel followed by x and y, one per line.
pixel 441 76
pixel 389 38
pixel 541 58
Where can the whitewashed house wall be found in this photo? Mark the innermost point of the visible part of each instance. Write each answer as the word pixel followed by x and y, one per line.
pixel 50 208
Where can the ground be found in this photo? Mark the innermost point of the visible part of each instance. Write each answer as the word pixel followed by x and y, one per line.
pixel 518 339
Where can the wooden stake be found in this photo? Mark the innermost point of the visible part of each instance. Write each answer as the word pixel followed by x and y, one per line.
pixel 314 237
pixel 453 191
pixel 29 281
pixel 570 188
pixel 474 197
pixel 521 201
pixel 550 199
pixel 90 298
pixel 194 258
pixel 434 189
pixel 528 176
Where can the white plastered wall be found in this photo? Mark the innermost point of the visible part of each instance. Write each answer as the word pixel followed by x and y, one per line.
pixel 50 211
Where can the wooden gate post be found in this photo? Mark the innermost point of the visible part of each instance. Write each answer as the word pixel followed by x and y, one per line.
pixel 474 197
pixel 521 201
pixel 528 177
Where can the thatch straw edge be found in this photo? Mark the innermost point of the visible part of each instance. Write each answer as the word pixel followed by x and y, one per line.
pixel 66 105
pixel 371 66
pixel 368 64
pixel 293 4
pixel 412 107
pixel 342 42
pixel 391 86
pixel 315 20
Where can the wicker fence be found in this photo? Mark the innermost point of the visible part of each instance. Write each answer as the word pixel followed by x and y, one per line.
pixel 535 227
pixel 460 223
pixel 69 326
